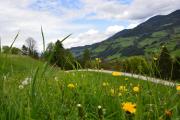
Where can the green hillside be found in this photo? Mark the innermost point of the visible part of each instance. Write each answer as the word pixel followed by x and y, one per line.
pixel 144 39
pixel 18 63
pixel 16 66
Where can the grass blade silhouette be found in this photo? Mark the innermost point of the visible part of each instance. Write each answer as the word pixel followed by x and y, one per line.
pixel 65 38
pixel 14 41
pixel 42 33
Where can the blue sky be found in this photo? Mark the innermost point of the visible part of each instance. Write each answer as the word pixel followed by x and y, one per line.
pixel 90 21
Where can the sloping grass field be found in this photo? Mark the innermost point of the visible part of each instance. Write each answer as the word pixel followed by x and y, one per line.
pixel 33 90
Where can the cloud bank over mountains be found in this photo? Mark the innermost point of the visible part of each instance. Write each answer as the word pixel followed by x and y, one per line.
pixel 90 21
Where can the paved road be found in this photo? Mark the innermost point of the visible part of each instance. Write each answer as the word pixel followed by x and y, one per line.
pixel 146 78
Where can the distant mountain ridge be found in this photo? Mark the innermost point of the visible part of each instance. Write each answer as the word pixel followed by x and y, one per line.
pixel 144 39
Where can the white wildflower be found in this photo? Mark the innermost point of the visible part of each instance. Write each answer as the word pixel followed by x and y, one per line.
pixel 56 78
pixel 26 81
pixel 4 77
pixel 79 105
pixel 104 111
pixel 99 107
pixel 21 86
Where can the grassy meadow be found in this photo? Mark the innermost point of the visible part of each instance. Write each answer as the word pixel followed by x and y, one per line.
pixel 33 90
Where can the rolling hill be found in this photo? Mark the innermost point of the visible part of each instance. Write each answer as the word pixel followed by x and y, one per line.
pixel 144 39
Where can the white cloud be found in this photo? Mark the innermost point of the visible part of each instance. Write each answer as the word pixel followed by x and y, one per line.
pixel 57 20
pixel 15 16
pixel 92 36
pixel 136 12
pixel 132 25
pixel 114 29
pixel 85 38
pixel 137 9
pixel 92 31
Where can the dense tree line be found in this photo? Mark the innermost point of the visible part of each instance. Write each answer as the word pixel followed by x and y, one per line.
pixel 166 66
pixel 13 50
pixel 28 49
pixel 161 65
pixel 57 55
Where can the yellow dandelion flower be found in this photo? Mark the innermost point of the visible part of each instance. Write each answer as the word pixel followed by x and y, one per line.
pixel 105 84
pixel 129 107
pixel 136 89
pixel 178 87
pixel 116 73
pixel 71 86
pixel 122 88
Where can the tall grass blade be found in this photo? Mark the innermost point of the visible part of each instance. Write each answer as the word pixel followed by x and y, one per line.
pixel 33 94
pixel 42 33
pixel 52 53
pixel 5 62
pixel 14 40
pixel 65 38
pixel 33 87
pixel 0 44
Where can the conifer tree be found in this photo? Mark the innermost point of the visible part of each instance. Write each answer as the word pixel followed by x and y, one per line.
pixel 59 54
pixel 86 58
pixel 165 64
pixel 176 69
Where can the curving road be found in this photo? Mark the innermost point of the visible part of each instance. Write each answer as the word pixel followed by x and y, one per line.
pixel 141 77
